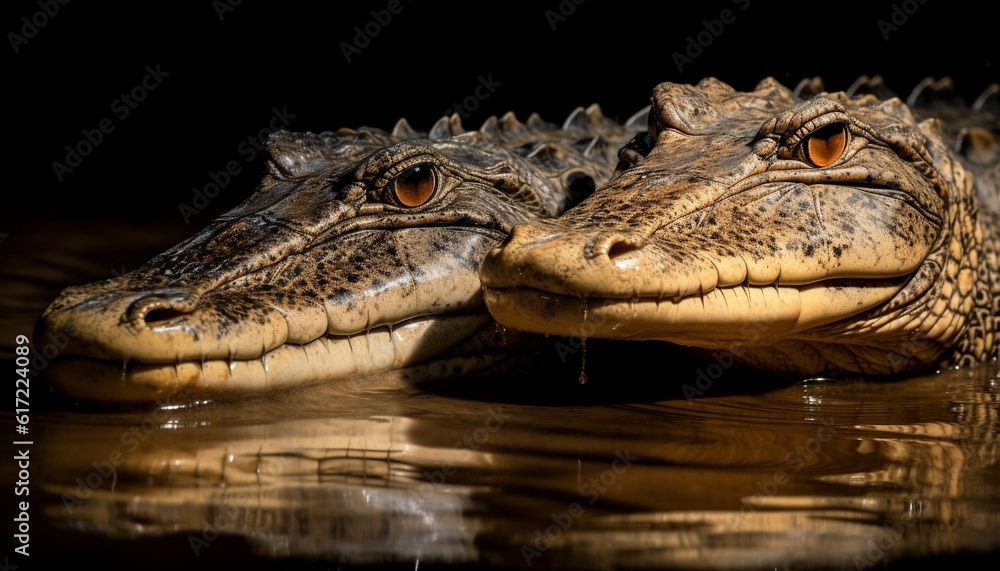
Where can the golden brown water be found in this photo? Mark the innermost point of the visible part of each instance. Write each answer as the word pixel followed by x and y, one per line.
pixel 633 469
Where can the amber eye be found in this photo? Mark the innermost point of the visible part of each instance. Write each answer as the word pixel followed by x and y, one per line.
pixel 414 186
pixel 824 146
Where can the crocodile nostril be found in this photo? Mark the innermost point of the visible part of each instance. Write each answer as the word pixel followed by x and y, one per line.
pixel 612 246
pixel 161 316
pixel 619 249
pixel 156 310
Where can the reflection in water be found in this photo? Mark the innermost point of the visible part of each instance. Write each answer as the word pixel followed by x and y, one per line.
pixel 822 473
pixel 816 473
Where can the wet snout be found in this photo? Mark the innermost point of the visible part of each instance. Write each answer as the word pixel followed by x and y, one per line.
pixel 160 326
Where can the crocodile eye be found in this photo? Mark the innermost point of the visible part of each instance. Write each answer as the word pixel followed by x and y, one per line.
pixel 414 186
pixel 825 145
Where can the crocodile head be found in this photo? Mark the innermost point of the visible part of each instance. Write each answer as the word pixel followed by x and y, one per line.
pixel 358 254
pixel 806 236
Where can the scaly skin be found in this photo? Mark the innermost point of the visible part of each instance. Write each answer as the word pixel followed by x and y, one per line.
pixel 358 254
pixel 818 236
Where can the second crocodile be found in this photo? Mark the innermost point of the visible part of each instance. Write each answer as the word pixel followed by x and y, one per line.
pixel 829 234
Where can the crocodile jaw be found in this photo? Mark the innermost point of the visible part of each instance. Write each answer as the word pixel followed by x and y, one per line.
pixel 558 282
pixel 739 313
pixel 386 300
pixel 409 347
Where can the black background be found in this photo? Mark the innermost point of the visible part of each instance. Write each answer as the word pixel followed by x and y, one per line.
pixel 229 68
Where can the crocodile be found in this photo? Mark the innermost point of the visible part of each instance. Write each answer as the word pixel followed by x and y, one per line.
pixel 794 232
pixel 357 254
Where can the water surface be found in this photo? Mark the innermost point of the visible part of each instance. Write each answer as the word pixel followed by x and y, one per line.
pixel 637 468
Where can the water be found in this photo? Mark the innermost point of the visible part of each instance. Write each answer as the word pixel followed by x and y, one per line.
pixel 638 468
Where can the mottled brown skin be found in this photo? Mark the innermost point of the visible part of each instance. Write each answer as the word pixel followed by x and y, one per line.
pixel 720 231
pixel 334 268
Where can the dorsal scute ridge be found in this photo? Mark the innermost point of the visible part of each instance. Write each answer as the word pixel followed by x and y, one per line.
pixel 509 123
pixel 988 100
pixel 769 86
pixel 440 130
pixel 535 122
pixel 930 92
pixel 874 85
pixel 639 120
pixel 809 87
pixel 403 130
pixel 576 121
pixel 594 115
pixel 591 145
pixel 490 128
